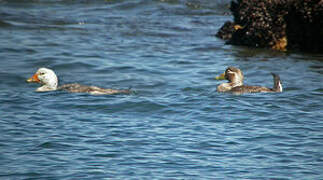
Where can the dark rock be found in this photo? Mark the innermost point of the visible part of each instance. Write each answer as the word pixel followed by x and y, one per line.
pixel 277 24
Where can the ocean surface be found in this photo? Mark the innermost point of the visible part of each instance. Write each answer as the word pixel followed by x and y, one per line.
pixel 174 125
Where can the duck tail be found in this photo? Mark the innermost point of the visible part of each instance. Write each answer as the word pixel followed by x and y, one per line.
pixel 277 83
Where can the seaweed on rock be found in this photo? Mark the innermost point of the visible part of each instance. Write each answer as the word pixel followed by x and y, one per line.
pixel 277 24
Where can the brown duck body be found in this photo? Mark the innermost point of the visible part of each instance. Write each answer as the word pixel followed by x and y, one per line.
pixel 250 89
pixel 78 88
pixel 236 86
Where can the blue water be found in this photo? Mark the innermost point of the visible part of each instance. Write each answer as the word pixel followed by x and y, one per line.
pixel 175 125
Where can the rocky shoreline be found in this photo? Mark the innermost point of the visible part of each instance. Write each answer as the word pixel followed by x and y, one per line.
pixel 277 24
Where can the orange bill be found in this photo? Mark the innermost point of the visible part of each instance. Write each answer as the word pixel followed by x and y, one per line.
pixel 34 78
pixel 220 77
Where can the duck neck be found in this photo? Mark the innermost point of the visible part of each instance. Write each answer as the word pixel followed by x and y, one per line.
pixel 46 88
pixel 236 80
pixel 50 85
pixel 236 83
pixel 224 87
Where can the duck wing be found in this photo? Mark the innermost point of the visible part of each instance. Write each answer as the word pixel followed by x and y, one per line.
pixel 250 89
pixel 78 88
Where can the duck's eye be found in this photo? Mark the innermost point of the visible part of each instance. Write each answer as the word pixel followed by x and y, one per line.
pixel 41 73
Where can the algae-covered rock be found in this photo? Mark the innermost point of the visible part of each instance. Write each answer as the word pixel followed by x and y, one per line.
pixel 277 24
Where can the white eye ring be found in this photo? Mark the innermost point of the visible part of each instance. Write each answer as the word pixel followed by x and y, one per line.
pixel 229 71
